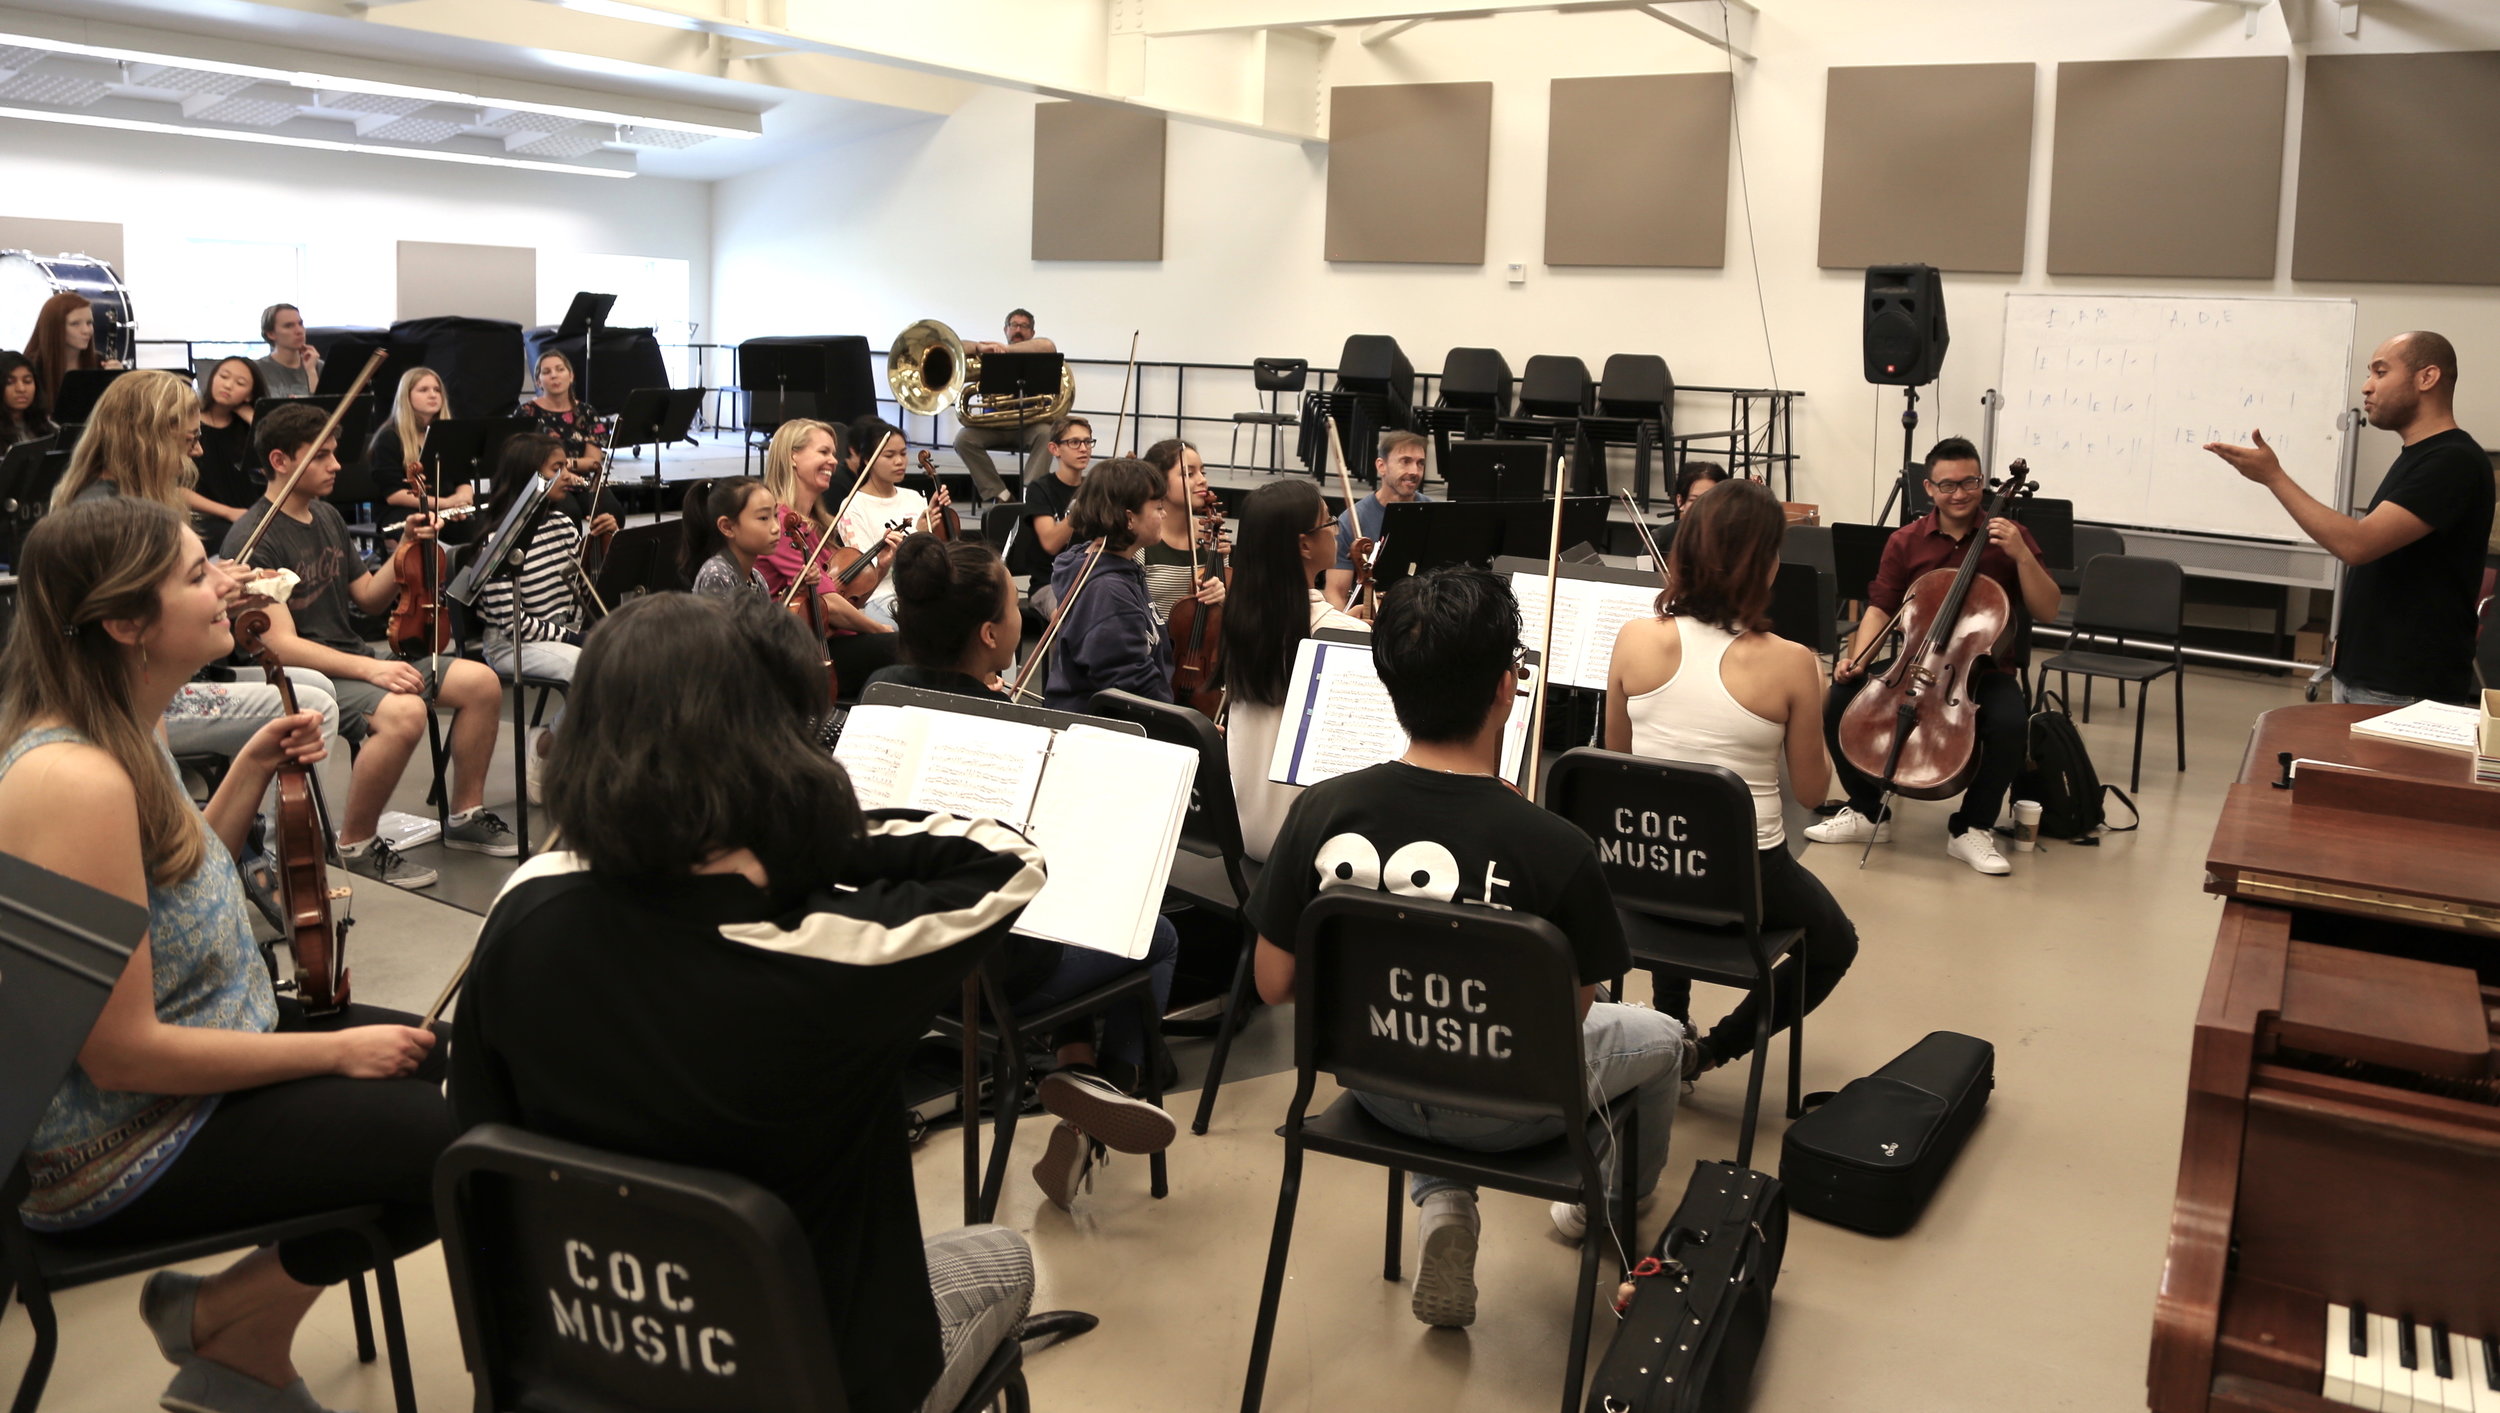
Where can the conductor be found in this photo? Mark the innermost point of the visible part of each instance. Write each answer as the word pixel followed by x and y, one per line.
pixel 2416 557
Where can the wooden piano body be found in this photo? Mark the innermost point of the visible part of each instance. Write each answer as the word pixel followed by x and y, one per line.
pixel 2342 1140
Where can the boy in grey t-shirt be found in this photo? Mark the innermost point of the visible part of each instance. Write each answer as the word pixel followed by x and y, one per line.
pixel 293 367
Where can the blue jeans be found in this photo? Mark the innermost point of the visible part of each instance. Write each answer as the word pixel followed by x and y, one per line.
pixel 1081 969
pixel 1623 1047
pixel 2348 695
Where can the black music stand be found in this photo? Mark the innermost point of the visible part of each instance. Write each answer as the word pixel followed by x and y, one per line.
pixel 1010 374
pixel 1421 535
pixel 583 318
pixel 24 488
pixel 642 559
pixel 468 447
pixel 62 947
pixel 496 556
pixel 783 381
pixel 80 387
pixel 656 417
pixel 1497 470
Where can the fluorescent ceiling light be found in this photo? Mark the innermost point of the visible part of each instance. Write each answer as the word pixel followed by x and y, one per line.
pixel 336 84
pixel 319 144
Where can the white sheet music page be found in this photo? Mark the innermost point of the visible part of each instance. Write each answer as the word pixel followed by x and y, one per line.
pixel 1106 819
pixel 1337 718
pixel 1610 607
pixel 877 747
pixel 1571 629
pixel 979 768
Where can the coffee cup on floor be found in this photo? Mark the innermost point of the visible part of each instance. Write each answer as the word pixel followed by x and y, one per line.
pixel 2026 824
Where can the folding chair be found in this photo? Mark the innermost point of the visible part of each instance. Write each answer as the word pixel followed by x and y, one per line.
pixel 2129 596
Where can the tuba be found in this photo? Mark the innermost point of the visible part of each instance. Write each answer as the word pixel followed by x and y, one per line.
pixel 928 368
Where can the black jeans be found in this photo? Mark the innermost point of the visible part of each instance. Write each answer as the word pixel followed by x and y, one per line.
pixel 1791 897
pixel 2004 739
pixel 303 1146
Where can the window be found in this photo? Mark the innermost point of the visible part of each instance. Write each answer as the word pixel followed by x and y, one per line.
pixel 652 292
pixel 220 288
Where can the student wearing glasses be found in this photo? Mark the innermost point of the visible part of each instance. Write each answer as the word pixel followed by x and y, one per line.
pixel 1937 540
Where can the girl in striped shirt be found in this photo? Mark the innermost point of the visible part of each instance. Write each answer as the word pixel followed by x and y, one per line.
pixel 534 612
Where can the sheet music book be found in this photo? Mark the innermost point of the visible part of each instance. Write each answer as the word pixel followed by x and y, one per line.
pixel 1104 808
pixel 1338 718
pixel 1587 614
pixel 2435 724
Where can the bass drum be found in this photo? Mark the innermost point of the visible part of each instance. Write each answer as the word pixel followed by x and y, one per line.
pixel 27 280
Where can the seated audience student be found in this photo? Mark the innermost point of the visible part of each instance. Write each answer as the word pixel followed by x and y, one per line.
pixel 1938 540
pixel 2416 559
pixel 1447 645
pixel 1695 481
pixel 398 446
pixel 194 1096
pixel 743 966
pixel 958 624
pixel 22 416
pixel 883 510
pixel 224 460
pixel 293 366
pixel 1400 469
pixel 382 699
pixel 1169 559
pixel 1288 539
pixel 1109 637
pixel 1706 681
pixel 1047 498
pixel 798 467
pixel 974 444
pixel 730 525
pixel 533 617
pixel 556 412
pixel 63 339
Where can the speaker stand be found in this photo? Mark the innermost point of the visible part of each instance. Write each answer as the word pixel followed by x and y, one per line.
pixel 1901 478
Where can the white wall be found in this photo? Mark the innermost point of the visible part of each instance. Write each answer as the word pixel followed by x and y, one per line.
pixel 349 212
pixel 933 219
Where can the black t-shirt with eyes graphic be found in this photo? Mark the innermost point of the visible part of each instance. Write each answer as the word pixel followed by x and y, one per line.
pixel 1456 838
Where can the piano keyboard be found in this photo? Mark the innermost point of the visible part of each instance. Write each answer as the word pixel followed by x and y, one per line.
pixel 2393 1365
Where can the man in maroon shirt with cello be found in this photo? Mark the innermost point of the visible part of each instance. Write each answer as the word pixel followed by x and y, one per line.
pixel 1938 540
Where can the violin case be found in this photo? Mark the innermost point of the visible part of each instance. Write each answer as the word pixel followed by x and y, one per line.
pixel 1699 1306
pixel 1871 1156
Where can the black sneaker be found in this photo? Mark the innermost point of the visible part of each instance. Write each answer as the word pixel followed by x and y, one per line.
pixel 481 831
pixel 1094 1104
pixel 377 860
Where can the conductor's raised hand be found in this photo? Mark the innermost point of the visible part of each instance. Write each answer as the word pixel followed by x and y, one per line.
pixel 2258 463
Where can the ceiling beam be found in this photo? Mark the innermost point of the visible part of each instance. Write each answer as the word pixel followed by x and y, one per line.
pixel 1167 18
pixel 1387 30
pixel 1721 24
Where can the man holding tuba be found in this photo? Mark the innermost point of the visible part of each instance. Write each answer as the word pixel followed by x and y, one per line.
pixel 974 443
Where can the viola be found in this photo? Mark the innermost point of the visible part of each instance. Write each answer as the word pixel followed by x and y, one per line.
pixel 1915 727
pixel 941 520
pixel 315 936
pixel 419 627
pixel 1197 628
pixel 807 607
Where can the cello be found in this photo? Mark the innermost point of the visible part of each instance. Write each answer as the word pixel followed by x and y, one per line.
pixel 316 937
pixel 1197 628
pixel 1915 726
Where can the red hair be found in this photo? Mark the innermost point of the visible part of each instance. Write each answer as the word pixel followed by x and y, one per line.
pixel 48 346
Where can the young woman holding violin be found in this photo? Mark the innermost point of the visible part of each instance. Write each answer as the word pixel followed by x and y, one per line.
pixel 730 525
pixel 195 1078
pixel 1288 539
pixel 1706 681
pixel 882 511
pixel 1108 637
pixel 396 455
pixel 534 620
pixel 1187 559
pixel 798 467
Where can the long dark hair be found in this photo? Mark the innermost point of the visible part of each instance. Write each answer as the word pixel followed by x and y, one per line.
pixel 1267 611
pixel 943 592
pixel 32 422
pixel 48 346
pixel 1113 491
pixel 515 467
pixel 707 504
pixel 689 731
pixel 1719 570
pixel 208 395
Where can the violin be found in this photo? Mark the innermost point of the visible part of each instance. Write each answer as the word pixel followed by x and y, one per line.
pixel 316 938
pixel 807 607
pixel 941 520
pixel 1915 727
pixel 1197 628
pixel 419 627
pixel 856 572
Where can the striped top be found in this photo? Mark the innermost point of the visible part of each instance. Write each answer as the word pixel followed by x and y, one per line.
pixel 549 609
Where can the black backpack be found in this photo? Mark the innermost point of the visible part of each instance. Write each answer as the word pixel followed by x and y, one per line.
pixel 2060 776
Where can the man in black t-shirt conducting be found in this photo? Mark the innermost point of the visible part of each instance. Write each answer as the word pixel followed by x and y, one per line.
pixel 1439 822
pixel 2415 560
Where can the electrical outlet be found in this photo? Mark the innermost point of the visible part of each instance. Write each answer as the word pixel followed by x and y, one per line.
pixel 1518 272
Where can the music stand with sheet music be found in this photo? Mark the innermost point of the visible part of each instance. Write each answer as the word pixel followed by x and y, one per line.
pixel 656 417
pixel 1016 375
pixel 80 387
pixel 62 947
pixel 468 447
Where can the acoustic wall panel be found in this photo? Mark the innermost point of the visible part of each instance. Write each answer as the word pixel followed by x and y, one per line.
pixel 2168 167
pixel 1927 164
pixel 1407 167
pixel 2397 155
pixel 1097 183
pixel 40 236
pixel 1636 170
pixel 472 281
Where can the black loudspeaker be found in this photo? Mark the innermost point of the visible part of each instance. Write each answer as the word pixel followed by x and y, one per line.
pixel 1905 332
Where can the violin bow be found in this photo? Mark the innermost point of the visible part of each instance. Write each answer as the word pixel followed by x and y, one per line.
pixel 1121 416
pixel 1345 484
pixel 1545 647
pixel 1657 561
pixel 329 429
pixel 807 571
pixel 1041 650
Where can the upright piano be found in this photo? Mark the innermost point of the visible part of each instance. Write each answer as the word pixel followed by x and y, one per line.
pixel 2335 1240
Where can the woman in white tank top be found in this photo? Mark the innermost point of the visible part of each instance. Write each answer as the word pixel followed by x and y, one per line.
pixel 1702 682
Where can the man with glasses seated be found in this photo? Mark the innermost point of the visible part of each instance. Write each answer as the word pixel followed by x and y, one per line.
pixel 1938 540
pixel 974 444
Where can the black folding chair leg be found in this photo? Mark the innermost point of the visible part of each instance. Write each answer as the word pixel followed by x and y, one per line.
pixel 1150 1025
pixel 2135 768
pixel 362 1316
pixel 2178 708
pixel 1236 1002
pixel 1753 1081
pixel 30 1385
pixel 1006 1107
pixel 1271 1287
pixel 1797 1044
pixel 1581 1310
pixel 1391 1242
pixel 394 1327
pixel 1627 1171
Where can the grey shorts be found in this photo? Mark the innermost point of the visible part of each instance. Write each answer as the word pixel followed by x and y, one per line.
pixel 359 699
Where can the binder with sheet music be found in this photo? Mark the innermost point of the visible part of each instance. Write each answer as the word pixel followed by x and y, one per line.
pixel 1338 718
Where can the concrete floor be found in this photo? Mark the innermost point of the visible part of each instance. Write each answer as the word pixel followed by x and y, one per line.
pixel 2028 1285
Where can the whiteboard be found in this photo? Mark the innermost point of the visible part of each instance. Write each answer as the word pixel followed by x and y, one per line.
pixel 2111 399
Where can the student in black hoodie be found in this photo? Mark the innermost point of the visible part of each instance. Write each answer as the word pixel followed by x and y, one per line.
pixel 728 966
pixel 1110 637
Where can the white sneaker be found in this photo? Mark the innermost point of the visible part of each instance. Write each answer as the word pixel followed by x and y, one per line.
pixel 1850 827
pixel 1571 1219
pixel 1445 1268
pixel 1978 848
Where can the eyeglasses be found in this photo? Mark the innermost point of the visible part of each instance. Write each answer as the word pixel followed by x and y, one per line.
pixel 1079 443
pixel 1319 529
pixel 1962 487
